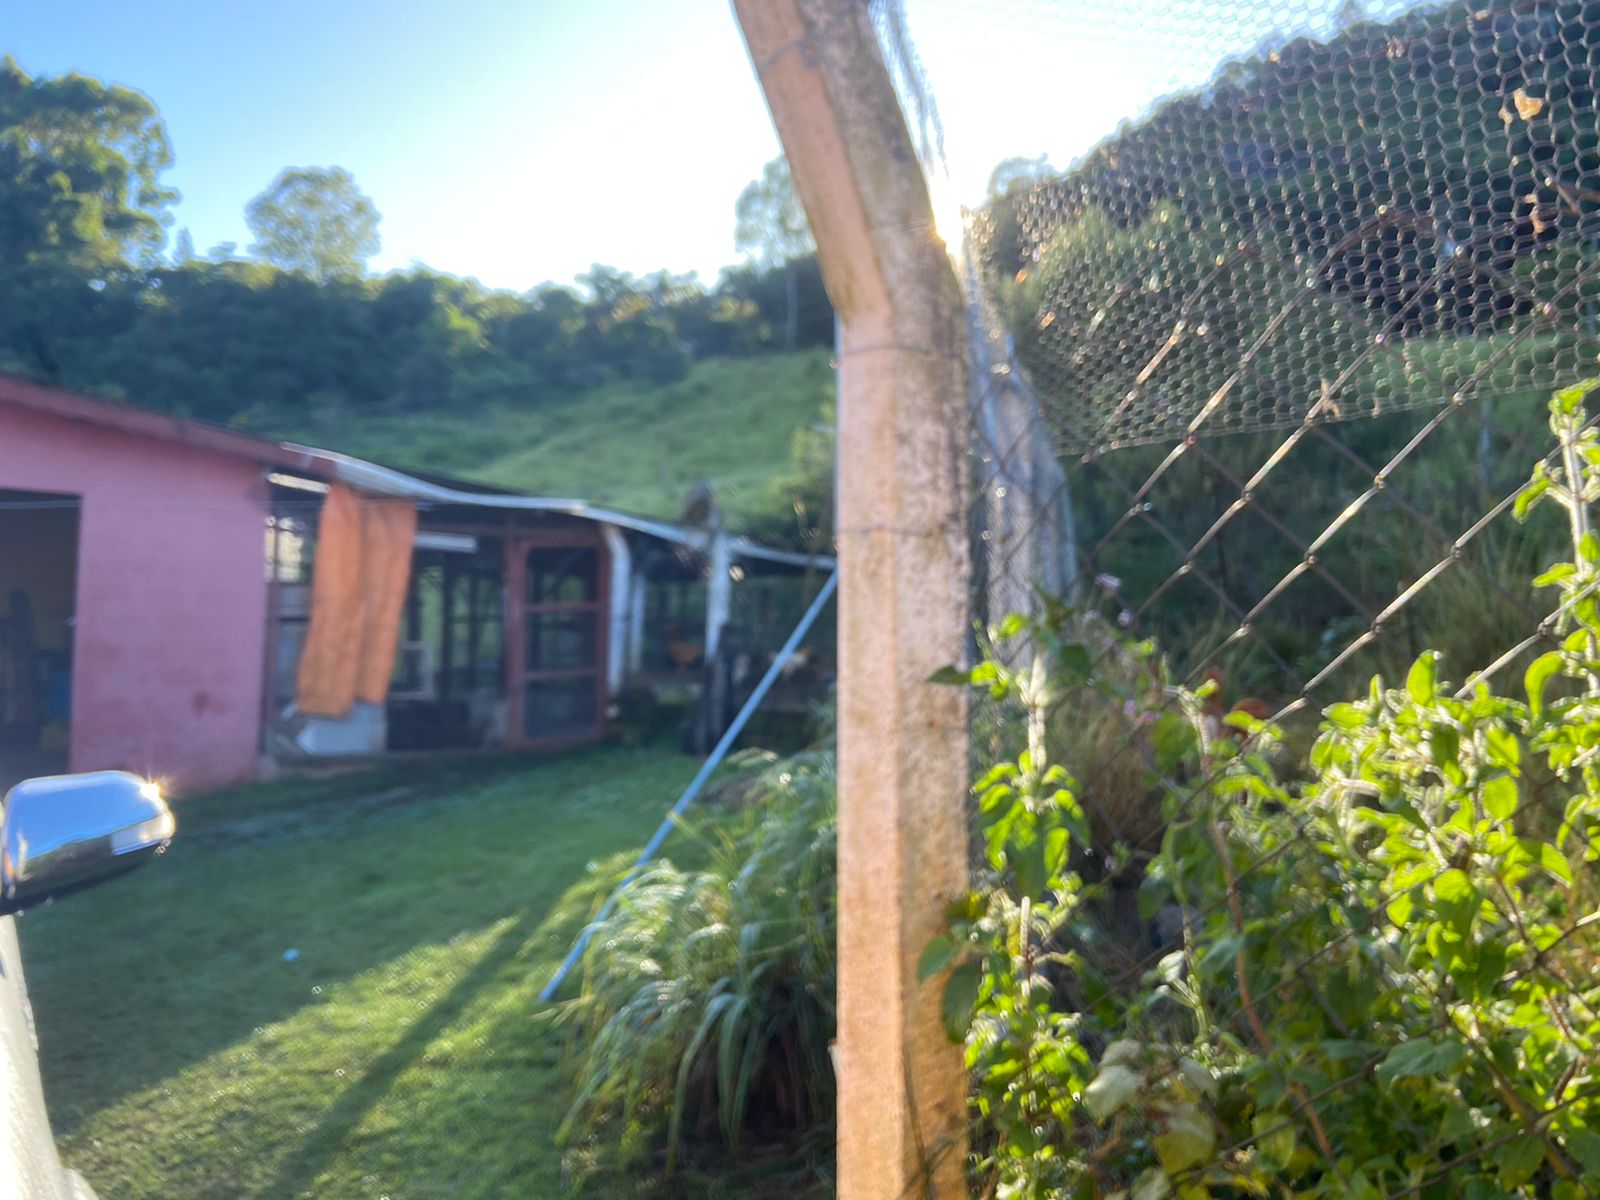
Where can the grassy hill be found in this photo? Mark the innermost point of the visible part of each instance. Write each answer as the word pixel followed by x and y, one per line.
pixel 635 447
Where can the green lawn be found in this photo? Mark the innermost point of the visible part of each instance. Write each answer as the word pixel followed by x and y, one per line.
pixel 402 1051
pixel 635 446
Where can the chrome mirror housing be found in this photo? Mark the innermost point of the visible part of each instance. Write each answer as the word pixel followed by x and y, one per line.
pixel 61 833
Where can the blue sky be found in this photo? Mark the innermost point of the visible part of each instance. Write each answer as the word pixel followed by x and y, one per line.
pixel 522 140
pixel 513 140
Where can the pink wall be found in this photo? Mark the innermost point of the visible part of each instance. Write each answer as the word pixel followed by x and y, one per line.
pixel 171 599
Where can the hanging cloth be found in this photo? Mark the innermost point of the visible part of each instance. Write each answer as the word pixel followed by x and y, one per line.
pixel 360 569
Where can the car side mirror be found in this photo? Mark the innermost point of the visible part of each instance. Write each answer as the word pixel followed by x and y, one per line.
pixel 62 833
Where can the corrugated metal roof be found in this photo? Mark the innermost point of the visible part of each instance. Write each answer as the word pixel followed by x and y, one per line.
pixel 379 480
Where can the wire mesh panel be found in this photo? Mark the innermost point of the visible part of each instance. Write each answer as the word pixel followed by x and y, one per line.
pixel 1291 330
pixel 1258 382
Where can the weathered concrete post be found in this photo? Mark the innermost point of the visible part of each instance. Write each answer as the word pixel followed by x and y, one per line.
pixel 719 588
pixel 903 576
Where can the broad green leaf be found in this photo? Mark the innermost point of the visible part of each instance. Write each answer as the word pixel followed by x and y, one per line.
pixel 951 675
pixel 1152 1185
pixel 984 672
pixel 1124 1052
pixel 1220 955
pixel 1274 1133
pixel 1530 495
pixel 1010 627
pixel 1187 1141
pixel 1552 860
pixel 1348 717
pixel 1584 1145
pixel 1420 1057
pixel 1111 1091
pixel 1445 743
pixel 1056 849
pixel 1504 748
pixel 1517 1160
pixel 1422 681
pixel 1198 1076
pixel 938 954
pixel 1028 861
pixel 1569 399
pixel 1500 797
pixel 960 998
pixel 1072 815
pixel 1454 887
pixel 1555 575
pixel 1537 675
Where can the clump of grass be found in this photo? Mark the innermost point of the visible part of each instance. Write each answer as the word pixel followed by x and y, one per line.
pixel 706 1005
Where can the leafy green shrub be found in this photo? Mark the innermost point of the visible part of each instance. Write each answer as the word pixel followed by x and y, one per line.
pixel 707 997
pixel 1384 980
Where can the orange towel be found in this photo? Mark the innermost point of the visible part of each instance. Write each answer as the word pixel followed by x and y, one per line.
pixel 358 589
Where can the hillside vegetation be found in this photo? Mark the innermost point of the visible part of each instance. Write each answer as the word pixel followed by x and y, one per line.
pixel 747 426
pixel 622 388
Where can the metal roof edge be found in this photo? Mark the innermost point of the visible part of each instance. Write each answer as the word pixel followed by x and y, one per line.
pixel 387 481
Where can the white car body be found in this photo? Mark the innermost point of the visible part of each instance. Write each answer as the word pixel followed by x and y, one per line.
pixel 30 1168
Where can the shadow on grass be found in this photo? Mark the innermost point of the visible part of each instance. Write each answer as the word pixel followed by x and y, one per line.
pixel 313 1155
pixel 134 983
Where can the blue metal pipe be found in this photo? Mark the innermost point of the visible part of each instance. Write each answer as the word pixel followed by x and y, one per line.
pixel 713 761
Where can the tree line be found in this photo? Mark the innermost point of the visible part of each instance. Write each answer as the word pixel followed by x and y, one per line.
pixel 91 296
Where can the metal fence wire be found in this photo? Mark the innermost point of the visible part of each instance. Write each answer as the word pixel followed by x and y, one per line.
pixel 1261 374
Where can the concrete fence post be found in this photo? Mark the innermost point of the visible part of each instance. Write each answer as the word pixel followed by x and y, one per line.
pixel 901 522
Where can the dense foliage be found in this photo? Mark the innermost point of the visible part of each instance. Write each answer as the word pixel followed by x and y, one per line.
pixel 707 1003
pixel 1378 980
pixel 87 300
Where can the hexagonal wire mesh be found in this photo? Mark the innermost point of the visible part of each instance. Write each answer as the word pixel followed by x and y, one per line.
pixel 1261 374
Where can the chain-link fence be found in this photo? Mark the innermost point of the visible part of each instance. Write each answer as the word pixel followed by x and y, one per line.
pixel 1257 383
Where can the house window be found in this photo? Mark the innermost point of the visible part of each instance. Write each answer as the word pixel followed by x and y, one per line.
pixel 288 549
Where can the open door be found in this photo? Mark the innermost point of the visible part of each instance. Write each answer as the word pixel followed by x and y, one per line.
pixel 557 643
pixel 38 595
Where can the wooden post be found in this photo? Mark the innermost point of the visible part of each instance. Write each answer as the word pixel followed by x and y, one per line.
pixel 447 630
pixel 269 668
pixel 474 624
pixel 903 584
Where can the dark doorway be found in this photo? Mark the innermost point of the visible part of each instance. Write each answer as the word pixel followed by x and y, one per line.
pixel 449 686
pixel 558 656
pixel 38 591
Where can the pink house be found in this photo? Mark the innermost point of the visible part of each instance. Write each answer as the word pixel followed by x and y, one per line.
pixel 131 587
pixel 156 588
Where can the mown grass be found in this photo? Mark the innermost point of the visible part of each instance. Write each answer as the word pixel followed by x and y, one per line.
pixel 633 446
pixel 401 1050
